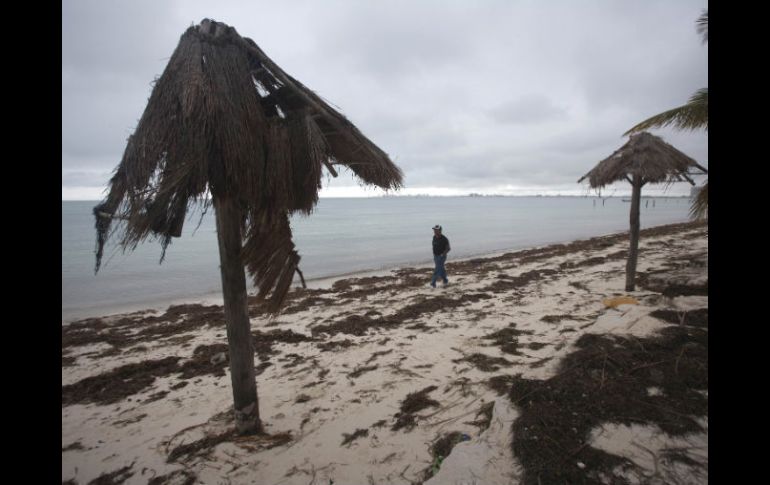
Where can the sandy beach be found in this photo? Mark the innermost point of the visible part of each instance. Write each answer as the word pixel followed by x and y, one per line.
pixel 529 367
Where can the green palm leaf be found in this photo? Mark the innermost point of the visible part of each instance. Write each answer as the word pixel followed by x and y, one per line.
pixel 691 116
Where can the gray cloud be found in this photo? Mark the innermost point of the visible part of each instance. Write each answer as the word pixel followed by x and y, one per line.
pixel 534 108
pixel 468 95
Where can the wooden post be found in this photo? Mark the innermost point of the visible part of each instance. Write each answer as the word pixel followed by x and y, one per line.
pixel 242 376
pixel 636 194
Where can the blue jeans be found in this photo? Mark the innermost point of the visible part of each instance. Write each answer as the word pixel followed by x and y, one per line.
pixel 440 271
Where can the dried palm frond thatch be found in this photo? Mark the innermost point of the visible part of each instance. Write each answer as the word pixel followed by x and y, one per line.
pixel 224 121
pixel 647 156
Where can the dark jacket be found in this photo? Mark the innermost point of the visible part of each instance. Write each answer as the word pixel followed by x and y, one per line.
pixel 440 245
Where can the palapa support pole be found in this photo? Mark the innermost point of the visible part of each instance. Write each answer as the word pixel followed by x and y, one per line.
pixel 239 339
pixel 633 251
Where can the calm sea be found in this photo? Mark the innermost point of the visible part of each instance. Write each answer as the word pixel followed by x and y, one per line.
pixel 341 236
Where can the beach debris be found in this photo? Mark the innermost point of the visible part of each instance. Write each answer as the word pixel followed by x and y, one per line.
pixel 500 384
pixel 115 477
pixel 117 384
pixel 133 329
pixel 358 371
pixel 607 380
pixel 77 445
pixel 307 303
pixel 508 283
pixel 125 422
pixel 378 354
pixel 263 341
pixel 219 358
pixel 204 446
pixel 619 300
pixel 540 363
pixel 351 437
pixel 486 416
pixel 484 362
pixel 508 338
pixel 357 325
pixel 465 385
pixel 199 447
pixel 156 397
pixel 696 318
pixel 586 262
pixel 556 318
pixel 412 403
pixel 440 450
pixel 682 277
pixel 335 345
pixel 260 368
pixel 178 477
pixel 203 362
pixel 293 360
pixel 435 466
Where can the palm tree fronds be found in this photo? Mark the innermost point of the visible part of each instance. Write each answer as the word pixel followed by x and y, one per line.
pixel 702 25
pixel 691 116
pixel 700 206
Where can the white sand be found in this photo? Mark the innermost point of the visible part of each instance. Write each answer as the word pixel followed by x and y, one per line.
pixel 141 435
pixel 646 447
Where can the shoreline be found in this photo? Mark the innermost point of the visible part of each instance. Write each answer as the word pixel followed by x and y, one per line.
pixel 321 282
pixel 382 379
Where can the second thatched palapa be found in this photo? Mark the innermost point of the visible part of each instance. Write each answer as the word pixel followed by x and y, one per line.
pixel 645 158
pixel 224 120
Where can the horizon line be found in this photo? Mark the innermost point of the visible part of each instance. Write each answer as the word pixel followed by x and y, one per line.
pixel 473 195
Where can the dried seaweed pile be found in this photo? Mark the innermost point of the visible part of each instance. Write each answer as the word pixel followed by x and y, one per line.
pixel 607 380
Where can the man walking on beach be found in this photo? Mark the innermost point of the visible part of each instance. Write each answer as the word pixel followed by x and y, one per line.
pixel 440 250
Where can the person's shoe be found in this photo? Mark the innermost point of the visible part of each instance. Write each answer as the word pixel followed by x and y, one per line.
pixel 433 285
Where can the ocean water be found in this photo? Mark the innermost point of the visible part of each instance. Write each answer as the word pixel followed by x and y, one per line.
pixel 342 236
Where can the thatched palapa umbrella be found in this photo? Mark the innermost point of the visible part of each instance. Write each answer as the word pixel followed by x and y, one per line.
pixel 223 119
pixel 645 158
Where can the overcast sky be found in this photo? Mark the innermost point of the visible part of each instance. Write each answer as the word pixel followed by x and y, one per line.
pixel 513 97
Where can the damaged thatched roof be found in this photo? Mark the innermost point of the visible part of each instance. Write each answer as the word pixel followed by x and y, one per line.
pixel 648 156
pixel 224 119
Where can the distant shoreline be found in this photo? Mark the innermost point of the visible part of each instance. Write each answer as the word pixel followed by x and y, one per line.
pixel 426 196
